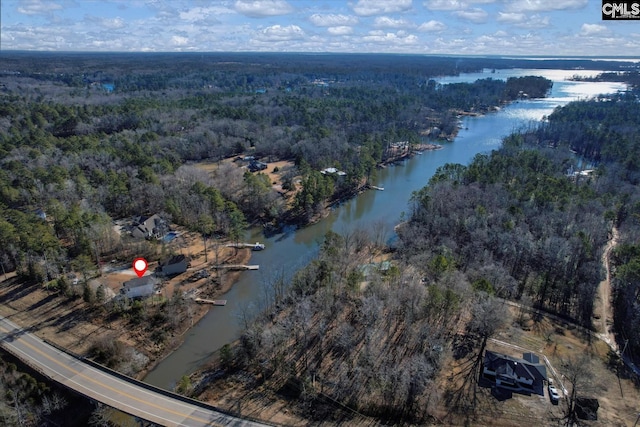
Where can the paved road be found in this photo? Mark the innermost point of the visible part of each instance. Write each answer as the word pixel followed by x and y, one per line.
pixel 128 396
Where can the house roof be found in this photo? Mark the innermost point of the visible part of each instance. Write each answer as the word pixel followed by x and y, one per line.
pixel 139 281
pixel 531 358
pixel 175 259
pixel 146 226
pixel 513 366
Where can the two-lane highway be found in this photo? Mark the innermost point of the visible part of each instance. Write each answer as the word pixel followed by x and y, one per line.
pixel 127 395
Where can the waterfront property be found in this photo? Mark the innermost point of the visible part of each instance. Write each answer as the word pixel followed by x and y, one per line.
pixel 140 287
pixel 175 264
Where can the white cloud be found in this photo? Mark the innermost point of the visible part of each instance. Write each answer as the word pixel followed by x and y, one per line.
pixel 545 5
pixel 332 20
pixel 35 7
pixel 593 29
pixel 103 23
pixel 179 40
pixel 386 22
pixel 453 4
pixel 378 7
pixel 398 38
pixel 181 25
pixel 278 33
pixel 535 21
pixel 475 15
pixel 511 17
pixel 521 20
pixel 263 8
pixel 496 43
pixel 203 14
pixel 341 30
pixel 113 23
pixel 432 26
pixel 444 5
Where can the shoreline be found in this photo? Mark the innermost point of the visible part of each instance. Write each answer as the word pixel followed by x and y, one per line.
pixel 38 310
pixel 97 327
pixel 243 256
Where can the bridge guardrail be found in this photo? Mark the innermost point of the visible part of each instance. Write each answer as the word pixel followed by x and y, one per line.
pixel 152 387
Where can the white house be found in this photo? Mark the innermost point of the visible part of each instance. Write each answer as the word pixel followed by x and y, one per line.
pixel 140 287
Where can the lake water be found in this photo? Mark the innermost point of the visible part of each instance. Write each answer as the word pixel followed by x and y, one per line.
pixel 289 251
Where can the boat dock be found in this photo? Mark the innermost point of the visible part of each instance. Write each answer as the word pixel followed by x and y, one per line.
pixel 211 301
pixel 257 246
pixel 235 267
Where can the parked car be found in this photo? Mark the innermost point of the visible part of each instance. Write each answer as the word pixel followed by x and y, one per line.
pixel 554 396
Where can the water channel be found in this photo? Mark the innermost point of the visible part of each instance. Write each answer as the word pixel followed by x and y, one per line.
pixel 289 251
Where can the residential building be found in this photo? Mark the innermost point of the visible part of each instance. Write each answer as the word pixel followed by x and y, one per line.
pixel 140 287
pixel 149 227
pixel 255 166
pixel 175 264
pixel 526 375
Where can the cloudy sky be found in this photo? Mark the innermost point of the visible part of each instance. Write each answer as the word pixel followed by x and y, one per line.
pixel 464 27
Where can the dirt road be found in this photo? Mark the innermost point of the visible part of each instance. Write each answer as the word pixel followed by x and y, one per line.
pixel 602 308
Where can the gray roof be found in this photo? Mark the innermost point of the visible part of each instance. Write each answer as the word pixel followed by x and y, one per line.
pixel 507 365
pixel 174 259
pixel 140 281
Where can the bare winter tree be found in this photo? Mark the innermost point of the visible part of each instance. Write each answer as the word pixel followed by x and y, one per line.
pixel 579 374
pixel 488 315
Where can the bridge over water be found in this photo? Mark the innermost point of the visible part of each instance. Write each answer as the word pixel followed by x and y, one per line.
pixel 109 387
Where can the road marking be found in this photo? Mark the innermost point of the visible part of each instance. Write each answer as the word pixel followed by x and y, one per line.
pixel 89 379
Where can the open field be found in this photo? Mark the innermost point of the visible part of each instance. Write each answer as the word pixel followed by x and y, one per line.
pixel 274 177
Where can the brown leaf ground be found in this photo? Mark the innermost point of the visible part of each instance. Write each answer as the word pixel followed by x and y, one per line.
pixel 74 325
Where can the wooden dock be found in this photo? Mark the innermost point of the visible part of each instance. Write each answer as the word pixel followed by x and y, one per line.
pixel 257 246
pixel 211 301
pixel 235 267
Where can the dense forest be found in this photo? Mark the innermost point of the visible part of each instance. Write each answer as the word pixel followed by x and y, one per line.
pixel 85 139
pixel 524 222
pixel 517 225
pixel 530 221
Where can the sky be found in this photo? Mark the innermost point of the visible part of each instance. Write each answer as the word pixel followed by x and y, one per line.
pixel 453 27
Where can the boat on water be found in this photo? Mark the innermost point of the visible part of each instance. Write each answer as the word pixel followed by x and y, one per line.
pixel 258 246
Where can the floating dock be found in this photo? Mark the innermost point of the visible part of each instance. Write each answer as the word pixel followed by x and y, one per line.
pixel 211 301
pixel 235 267
pixel 257 246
